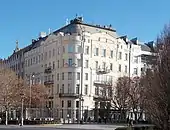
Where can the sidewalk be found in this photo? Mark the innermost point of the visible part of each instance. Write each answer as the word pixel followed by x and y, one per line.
pixel 75 126
pixel 67 126
pixel 89 127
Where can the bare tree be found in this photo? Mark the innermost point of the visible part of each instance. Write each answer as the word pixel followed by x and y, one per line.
pixel 38 95
pixel 157 84
pixel 136 97
pixel 13 90
pixel 10 90
pixel 121 95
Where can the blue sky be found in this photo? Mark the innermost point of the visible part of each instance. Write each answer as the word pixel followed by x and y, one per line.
pixel 23 20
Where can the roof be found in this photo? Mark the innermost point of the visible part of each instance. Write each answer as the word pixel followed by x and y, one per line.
pixel 145 48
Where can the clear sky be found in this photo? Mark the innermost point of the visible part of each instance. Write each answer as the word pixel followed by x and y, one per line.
pixel 22 20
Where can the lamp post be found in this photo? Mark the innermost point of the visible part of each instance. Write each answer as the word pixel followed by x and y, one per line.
pixel 82 75
pixel 22 110
pixel 31 83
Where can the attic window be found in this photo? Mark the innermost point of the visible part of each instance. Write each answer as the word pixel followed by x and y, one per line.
pixel 99 39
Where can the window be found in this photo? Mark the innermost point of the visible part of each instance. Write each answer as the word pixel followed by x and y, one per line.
pixel 58 50
pixel 97 63
pixel 45 65
pixel 86 63
pixel 88 40
pixel 125 68
pixel 87 50
pixel 96 53
pixel 33 60
pixel 77 89
pixel 69 88
pixel 104 53
pixel 63 62
pixel 70 48
pixel 86 90
pixel 104 65
pixel 62 76
pixel 45 55
pixel 69 75
pixel 120 55
pixel 136 59
pixel 70 62
pixel 86 76
pixel 69 103
pixel 79 49
pixel 135 71
pixel 96 91
pixel 45 78
pixel 53 52
pixel 126 56
pixel 121 47
pixel 53 64
pixel 119 68
pixel 58 76
pixel 78 62
pixel 52 77
pixel 111 54
pixel 57 88
pixel 111 66
pixel 62 103
pixel 77 104
pixel 58 64
pixel 36 59
pixel 49 54
pixel 62 89
pixel 49 64
pixel 63 49
pixel 78 75
pixel 41 56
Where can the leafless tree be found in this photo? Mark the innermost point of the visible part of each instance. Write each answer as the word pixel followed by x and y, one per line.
pixel 157 84
pixel 13 90
pixel 38 95
pixel 121 95
pixel 136 97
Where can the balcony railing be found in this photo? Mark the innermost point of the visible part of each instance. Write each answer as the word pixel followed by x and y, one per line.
pixel 48 70
pixel 102 97
pixel 102 70
pixel 49 82
pixel 69 95
pixel 101 82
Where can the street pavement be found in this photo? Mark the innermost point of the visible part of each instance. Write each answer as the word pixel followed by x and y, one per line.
pixel 60 127
pixel 66 127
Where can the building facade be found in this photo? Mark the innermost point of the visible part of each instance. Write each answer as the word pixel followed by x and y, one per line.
pixel 79 64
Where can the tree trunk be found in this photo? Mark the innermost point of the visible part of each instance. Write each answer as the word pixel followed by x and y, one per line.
pixel 6 121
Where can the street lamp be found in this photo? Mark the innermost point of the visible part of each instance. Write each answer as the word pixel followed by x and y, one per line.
pixel 22 110
pixel 31 83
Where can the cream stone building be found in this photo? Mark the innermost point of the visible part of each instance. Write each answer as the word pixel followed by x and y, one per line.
pixel 79 64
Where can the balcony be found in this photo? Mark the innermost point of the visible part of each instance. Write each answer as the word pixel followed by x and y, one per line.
pixel 49 82
pixel 69 95
pixel 103 70
pixel 102 97
pixel 48 70
pixel 103 83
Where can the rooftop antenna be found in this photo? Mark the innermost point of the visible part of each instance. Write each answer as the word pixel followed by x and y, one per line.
pixel 67 22
pixel 76 15
pixel 17 48
pixel 49 30
pixel 82 17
